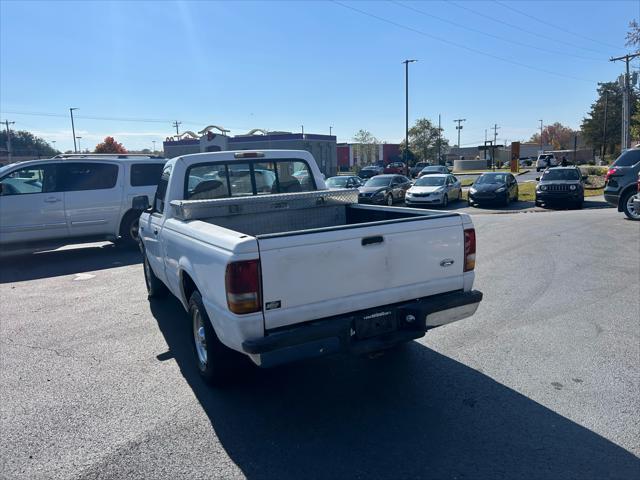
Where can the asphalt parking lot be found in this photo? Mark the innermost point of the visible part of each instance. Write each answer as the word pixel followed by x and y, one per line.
pixel 542 382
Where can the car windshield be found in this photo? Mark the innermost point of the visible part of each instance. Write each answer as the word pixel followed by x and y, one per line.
pixel 432 169
pixel 430 182
pixel 491 178
pixel 378 182
pixel 628 158
pixel 337 181
pixel 555 174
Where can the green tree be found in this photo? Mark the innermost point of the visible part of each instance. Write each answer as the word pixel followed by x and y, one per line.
pixel 109 145
pixel 633 35
pixel 557 135
pixel 593 123
pixel 425 139
pixel 24 144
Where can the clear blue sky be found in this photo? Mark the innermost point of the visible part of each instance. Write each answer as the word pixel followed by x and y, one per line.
pixel 278 65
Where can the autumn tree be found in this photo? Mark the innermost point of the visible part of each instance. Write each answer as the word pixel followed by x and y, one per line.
pixel 109 145
pixel 556 135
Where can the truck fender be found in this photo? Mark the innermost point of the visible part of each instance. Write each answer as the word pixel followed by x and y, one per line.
pixel 187 281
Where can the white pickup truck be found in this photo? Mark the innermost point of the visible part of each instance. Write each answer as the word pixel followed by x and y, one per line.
pixel 272 265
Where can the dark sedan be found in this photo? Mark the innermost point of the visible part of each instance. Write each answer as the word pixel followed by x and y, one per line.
pixel 344 181
pixel 370 171
pixel 384 189
pixel 493 188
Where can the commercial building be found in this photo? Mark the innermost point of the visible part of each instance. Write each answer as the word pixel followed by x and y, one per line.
pixel 322 147
pixel 359 154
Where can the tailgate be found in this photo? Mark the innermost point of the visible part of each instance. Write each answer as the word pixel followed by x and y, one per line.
pixel 306 276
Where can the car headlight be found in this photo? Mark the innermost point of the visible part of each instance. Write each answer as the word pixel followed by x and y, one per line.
pixel 501 189
pixel 543 188
pixel 472 190
pixel 409 194
pixel 572 187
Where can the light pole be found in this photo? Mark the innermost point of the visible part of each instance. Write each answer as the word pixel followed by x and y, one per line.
pixel 79 147
pixel 406 112
pixel 73 130
pixel 7 123
pixel 330 128
pixel 540 135
pixel 154 146
pixel 54 145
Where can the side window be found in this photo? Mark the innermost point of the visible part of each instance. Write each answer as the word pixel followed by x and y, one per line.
pixel 145 174
pixel 88 176
pixel 35 179
pixel 161 191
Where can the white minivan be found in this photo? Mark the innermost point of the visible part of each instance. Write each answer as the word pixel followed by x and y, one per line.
pixel 77 197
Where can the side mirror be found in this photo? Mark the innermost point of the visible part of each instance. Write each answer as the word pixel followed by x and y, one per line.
pixel 537 179
pixel 140 202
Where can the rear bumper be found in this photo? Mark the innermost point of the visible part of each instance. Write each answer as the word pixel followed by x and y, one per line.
pixel 339 334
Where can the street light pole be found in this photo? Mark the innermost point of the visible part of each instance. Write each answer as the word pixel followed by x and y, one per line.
pixel 330 128
pixel 79 147
pixel 406 112
pixel 73 130
pixel 540 135
pixel 154 146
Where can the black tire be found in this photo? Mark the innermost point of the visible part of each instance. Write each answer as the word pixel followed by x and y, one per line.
pixel 389 200
pixel 627 208
pixel 579 204
pixel 219 364
pixel 155 287
pixel 129 228
pixel 445 201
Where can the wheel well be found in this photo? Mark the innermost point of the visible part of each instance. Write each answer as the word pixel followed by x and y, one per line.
pixel 188 286
pixel 123 223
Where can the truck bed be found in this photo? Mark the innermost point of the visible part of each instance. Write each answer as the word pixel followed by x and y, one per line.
pixel 293 213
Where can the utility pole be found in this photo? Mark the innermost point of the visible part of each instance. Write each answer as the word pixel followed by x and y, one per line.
pixel 330 128
pixel 7 123
pixel 302 126
pixel 540 135
pixel 493 149
pixel 73 130
pixel 406 112
pixel 439 141
pixel 459 128
pixel 176 124
pixel 626 108
pixel 54 145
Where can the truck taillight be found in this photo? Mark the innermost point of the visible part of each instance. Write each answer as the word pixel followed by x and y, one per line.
pixel 610 173
pixel 469 249
pixel 243 286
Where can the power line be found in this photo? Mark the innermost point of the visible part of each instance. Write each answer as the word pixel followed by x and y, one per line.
pixel 519 28
pixel 498 37
pixel 549 24
pixel 459 45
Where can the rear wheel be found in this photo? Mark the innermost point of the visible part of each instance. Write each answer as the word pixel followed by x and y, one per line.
pixel 129 228
pixel 628 208
pixel 216 362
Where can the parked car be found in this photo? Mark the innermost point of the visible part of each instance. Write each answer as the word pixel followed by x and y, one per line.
pixel 417 168
pixel 398 168
pixel 620 182
pixel 436 189
pixel 344 181
pixel 370 171
pixel 434 170
pixel 44 203
pixel 560 186
pixel 384 189
pixel 269 285
pixel 493 187
pixel 546 160
pixel 636 202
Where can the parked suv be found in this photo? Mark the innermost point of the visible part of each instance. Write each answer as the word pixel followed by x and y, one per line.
pixel 620 183
pixel 546 160
pixel 560 186
pixel 79 197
